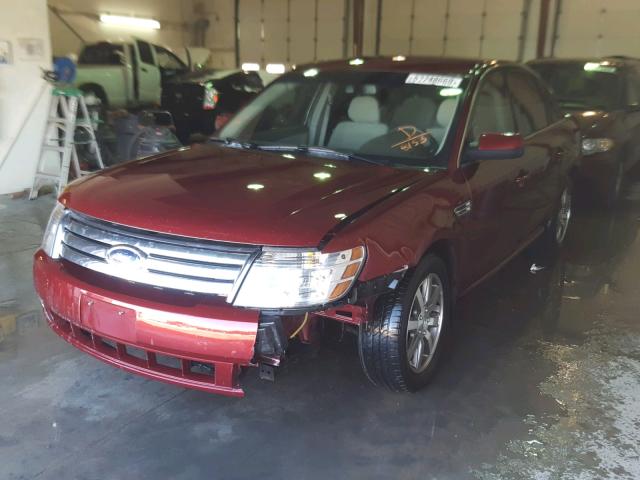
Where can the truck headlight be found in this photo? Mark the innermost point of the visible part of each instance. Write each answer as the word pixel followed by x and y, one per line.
pixel 210 99
pixel 596 145
pixel 285 278
pixel 52 240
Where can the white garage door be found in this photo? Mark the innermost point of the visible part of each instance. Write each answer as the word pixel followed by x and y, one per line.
pixel 597 28
pixel 482 28
pixel 291 31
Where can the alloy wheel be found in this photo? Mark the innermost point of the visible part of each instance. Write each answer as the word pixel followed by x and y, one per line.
pixel 564 215
pixel 425 323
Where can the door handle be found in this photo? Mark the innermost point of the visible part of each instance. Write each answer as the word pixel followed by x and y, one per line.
pixel 558 153
pixel 522 177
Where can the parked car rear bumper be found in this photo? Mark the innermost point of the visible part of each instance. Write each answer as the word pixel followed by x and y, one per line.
pixel 195 346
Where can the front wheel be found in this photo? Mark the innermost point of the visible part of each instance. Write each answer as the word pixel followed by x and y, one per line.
pixel 402 346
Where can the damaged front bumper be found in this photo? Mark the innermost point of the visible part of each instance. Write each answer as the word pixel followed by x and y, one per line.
pixel 190 344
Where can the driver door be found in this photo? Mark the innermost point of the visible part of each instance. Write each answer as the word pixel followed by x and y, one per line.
pixel 492 220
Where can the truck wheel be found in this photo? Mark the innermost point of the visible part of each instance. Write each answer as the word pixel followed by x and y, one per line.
pixel 401 347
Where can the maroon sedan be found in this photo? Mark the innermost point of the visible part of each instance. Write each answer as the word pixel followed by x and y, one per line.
pixel 368 192
pixel 604 96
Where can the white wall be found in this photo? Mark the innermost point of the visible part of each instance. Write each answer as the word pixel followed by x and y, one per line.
pixel 24 95
pixel 82 16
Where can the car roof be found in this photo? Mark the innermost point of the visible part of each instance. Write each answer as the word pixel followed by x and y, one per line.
pixel 613 60
pixel 401 63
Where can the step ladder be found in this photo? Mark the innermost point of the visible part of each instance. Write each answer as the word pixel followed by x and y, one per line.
pixel 63 121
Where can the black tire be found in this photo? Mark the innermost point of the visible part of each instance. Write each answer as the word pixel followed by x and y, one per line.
pixel 382 342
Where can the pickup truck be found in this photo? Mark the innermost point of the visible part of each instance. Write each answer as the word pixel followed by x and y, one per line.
pixel 368 196
pixel 127 74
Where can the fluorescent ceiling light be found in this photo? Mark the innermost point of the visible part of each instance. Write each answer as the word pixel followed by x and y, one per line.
pixel 276 68
pixel 133 22
pixel 356 61
pixel 250 67
pixel 312 72
pixel 399 58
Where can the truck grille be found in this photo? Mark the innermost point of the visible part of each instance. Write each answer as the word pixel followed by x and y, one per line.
pixel 150 258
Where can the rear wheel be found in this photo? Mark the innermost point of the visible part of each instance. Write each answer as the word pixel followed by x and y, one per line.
pixel 545 248
pixel 402 346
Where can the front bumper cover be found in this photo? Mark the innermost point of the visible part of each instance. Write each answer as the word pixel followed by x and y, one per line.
pixel 201 346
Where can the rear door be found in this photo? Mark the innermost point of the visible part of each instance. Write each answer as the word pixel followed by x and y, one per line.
pixel 148 73
pixel 538 179
pixel 491 222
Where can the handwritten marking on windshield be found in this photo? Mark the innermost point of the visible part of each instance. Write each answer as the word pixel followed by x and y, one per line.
pixel 413 138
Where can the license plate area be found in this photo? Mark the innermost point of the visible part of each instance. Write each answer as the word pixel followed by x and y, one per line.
pixel 107 318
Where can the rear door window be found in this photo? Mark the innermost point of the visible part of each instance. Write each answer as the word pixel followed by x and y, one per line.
pixel 528 103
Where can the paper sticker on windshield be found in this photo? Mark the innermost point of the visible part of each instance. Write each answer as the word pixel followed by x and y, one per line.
pixel 451 81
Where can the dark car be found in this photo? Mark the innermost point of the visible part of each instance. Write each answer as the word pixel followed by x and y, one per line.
pixel 604 96
pixel 372 193
pixel 199 100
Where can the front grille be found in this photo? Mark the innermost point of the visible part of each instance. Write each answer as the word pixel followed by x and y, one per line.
pixel 159 260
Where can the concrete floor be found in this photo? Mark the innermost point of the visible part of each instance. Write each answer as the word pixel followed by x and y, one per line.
pixel 542 383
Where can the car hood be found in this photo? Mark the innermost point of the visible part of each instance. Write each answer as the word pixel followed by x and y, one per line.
pixel 219 193
pixel 593 123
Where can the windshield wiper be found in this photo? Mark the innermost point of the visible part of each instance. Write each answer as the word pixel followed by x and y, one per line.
pixel 323 152
pixel 234 143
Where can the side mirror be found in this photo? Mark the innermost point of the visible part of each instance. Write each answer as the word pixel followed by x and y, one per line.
pixel 494 146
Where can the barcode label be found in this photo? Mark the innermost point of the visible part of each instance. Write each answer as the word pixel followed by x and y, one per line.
pixel 452 81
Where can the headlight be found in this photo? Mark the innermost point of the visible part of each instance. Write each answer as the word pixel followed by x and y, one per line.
pixel 596 145
pixel 52 240
pixel 282 278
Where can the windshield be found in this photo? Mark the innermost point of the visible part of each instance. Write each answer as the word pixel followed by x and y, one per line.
pixel 394 118
pixel 582 85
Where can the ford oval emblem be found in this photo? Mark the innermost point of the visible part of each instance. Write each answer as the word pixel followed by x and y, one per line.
pixel 126 255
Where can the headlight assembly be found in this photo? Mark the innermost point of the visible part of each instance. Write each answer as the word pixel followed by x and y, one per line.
pixel 285 278
pixel 52 240
pixel 596 145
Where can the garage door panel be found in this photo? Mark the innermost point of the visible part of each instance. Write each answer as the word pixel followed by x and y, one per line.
pixel 330 29
pixel 429 27
pixel 463 34
pixel 275 31
pixel 501 31
pixel 250 31
pixel 395 27
pixel 302 31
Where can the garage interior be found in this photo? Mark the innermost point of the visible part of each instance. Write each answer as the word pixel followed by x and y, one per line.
pixel 542 380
